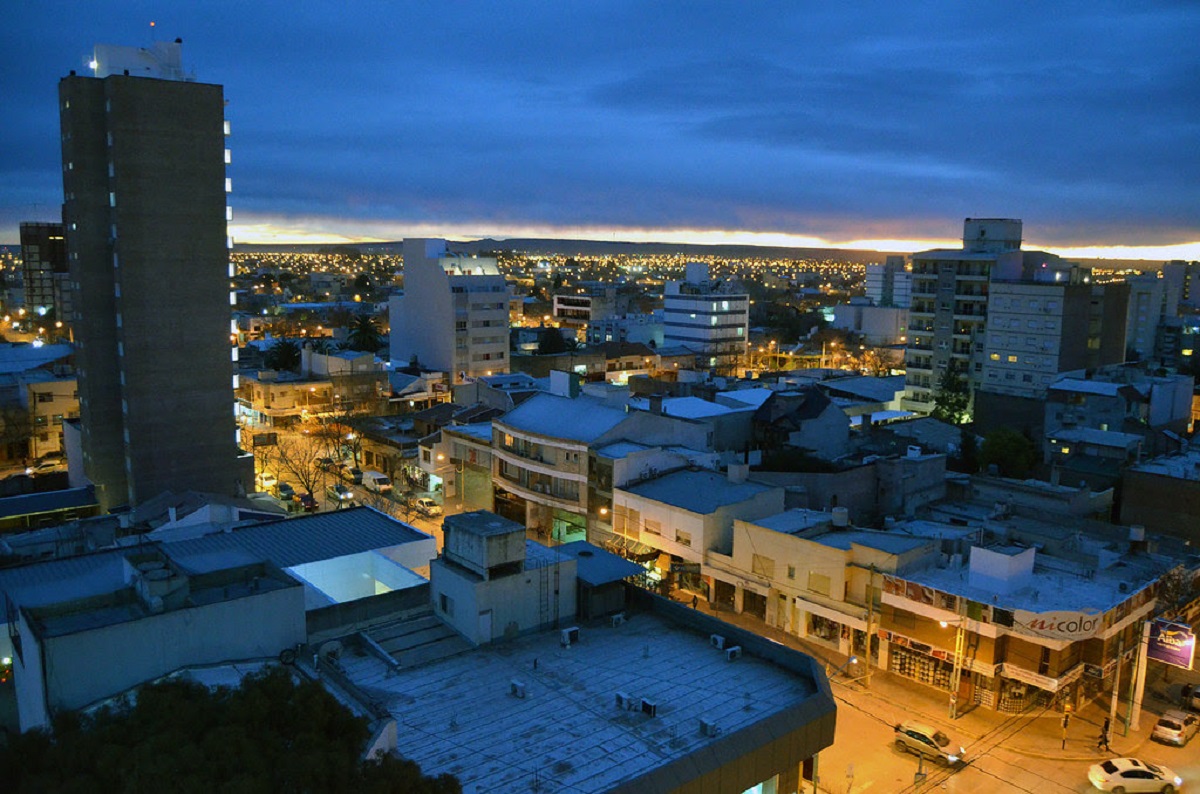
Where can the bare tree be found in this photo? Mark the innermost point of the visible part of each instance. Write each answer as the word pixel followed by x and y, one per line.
pixel 296 455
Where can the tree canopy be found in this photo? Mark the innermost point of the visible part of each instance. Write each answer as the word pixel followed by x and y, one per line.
pixel 550 340
pixel 269 735
pixel 1012 453
pixel 283 355
pixel 953 399
pixel 364 334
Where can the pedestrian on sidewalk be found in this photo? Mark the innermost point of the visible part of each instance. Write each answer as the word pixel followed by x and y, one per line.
pixel 695 600
pixel 1102 741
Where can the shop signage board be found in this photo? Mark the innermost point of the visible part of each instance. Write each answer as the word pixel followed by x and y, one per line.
pixel 1059 625
pixel 1171 643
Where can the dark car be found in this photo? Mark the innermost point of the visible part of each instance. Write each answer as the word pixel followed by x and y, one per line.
pixel 308 502
pixel 352 475
pixel 286 492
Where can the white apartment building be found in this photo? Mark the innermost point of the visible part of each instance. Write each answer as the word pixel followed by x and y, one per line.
pixel 453 314
pixel 889 284
pixel 708 317
pixel 1150 300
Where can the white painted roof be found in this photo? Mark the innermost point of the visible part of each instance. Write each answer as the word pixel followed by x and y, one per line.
pixel 580 419
pixel 752 397
pixel 1106 388
pixel 701 491
pixel 687 407
pixel 457 715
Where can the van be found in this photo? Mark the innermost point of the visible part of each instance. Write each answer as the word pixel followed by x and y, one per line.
pixel 376 481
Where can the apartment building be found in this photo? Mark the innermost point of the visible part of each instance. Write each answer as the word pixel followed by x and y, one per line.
pixel 453 314
pixel 145 188
pixel 710 318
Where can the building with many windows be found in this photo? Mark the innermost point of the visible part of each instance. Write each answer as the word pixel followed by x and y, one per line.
pixel 47 278
pixel 950 304
pixel 710 318
pixel 889 284
pixel 145 189
pixel 453 314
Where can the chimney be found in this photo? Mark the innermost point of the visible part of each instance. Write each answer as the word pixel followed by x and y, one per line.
pixel 656 404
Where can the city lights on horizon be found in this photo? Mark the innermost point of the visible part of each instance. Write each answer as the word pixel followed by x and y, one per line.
pixel 319 230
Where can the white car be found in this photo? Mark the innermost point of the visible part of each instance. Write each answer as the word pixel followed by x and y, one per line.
pixel 427 507
pixel 1131 775
pixel 1176 727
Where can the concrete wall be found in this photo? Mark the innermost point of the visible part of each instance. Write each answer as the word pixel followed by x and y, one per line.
pixel 252 627
pixel 512 601
pixel 1162 504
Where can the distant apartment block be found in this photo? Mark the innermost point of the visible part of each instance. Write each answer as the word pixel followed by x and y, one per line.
pixel 46 277
pixel 453 315
pixel 949 307
pixel 889 284
pixel 877 325
pixel 710 318
pixel 643 328
pixel 1037 329
pixel 145 189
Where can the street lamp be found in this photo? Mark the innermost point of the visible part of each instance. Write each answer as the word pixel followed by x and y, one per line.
pixel 838 671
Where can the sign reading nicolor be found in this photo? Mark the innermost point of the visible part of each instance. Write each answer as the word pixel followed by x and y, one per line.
pixel 1058 625
pixel 1171 643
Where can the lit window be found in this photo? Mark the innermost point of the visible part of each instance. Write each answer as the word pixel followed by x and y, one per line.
pixel 994 356
pixel 1012 359
pixel 1065 450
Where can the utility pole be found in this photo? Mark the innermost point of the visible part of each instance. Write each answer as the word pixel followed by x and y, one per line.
pixel 1116 690
pixel 1138 688
pixel 870 626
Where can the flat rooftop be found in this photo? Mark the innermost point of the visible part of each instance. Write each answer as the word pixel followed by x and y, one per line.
pixel 458 716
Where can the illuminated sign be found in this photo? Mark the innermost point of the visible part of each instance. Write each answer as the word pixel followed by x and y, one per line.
pixel 1058 625
pixel 1171 643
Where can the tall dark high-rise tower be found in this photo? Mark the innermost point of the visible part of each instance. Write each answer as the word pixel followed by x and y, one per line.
pixel 145 214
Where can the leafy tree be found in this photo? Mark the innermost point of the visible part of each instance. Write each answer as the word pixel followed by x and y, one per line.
pixel 967 459
pixel 364 334
pixel 953 399
pixel 1012 453
pixel 270 734
pixel 362 283
pixel 550 340
pixel 283 355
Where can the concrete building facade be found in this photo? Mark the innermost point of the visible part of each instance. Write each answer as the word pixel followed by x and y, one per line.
pixel 46 276
pixel 711 318
pixel 453 314
pixel 144 184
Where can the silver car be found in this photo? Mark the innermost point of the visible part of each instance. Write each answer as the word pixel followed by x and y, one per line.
pixel 925 740
pixel 1176 727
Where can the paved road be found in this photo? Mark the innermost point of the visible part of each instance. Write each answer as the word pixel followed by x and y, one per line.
pixel 1006 753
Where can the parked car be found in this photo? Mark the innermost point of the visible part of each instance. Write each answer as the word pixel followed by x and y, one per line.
pixel 352 475
pixel 340 493
pixel 922 739
pixel 266 481
pixel 286 492
pixel 1131 775
pixel 326 464
pixel 1176 727
pixel 45 467
pixel 376 481
pixel 427 507
pixel 308 502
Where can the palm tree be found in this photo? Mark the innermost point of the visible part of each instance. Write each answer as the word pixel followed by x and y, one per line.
pixel 283 355
pixel 364 334
pixel 323 346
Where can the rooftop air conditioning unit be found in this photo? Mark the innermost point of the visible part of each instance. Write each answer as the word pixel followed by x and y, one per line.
pixel 709 728
pixel 733 653
pixel 716 641
pixel 624 701
pixel 516 688
pixel 649 708
pixel 568 636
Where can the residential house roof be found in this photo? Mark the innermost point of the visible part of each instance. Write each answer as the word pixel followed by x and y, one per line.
pixel 697 490
pixel 580 419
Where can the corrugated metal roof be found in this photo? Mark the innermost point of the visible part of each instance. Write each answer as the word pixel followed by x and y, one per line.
pixel 27 504
pixel 295 541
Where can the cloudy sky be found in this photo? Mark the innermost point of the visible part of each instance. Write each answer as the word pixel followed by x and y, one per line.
pixel 783 123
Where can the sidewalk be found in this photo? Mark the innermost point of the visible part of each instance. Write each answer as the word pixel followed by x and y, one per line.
pixel 1041 738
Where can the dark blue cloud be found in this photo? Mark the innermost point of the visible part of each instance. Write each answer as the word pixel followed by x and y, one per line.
pixel 876 119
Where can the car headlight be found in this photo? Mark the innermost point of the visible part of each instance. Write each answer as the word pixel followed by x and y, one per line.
pixel 952 759
pixel 1178 781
